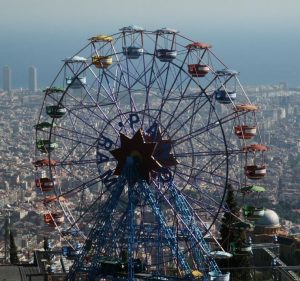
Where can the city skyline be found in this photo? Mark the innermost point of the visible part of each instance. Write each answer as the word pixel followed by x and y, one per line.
pixel 32 79
pixel 280 118
pixel 6 78
pixel 257 38
pixel 155 161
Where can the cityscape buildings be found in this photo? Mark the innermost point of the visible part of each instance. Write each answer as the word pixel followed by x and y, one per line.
pixel 46 204
pixel 279 115
pixel 6 78
pixel 32 79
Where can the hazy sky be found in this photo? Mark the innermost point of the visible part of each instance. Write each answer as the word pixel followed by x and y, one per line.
pixel 260 38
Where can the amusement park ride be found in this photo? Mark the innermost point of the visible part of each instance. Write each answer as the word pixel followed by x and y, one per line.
pixel 138 137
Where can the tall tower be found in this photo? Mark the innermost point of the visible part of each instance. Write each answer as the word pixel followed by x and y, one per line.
pixel 32 82
pixel 6 78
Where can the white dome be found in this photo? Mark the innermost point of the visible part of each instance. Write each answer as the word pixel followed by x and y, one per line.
pixel 269 219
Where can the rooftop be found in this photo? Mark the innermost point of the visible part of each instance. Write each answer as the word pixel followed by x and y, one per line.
pixel 269 220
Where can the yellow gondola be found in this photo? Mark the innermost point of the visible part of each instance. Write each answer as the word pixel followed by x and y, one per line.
pixel 101 38
pixel 102 61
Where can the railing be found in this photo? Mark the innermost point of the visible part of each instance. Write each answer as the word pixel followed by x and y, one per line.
pixel 260 273
pixel 54 277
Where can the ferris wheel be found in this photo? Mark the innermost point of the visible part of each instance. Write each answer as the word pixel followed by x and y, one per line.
pixel 138 137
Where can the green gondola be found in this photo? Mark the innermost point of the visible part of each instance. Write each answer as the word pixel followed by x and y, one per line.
pixel 253 188
pixel 51 90
pixel 241 226
pixel 45 145
pixel 44 125
pixel 56 111
pixel 251 212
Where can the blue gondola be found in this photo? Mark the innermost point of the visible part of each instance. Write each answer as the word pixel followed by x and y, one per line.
pixel 225 97
pixel 166 55
pixel 227 72
pixel 69 252
pixel 133 52
pixel 168 36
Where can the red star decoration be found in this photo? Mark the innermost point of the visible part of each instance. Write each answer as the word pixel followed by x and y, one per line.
pixel 162 152
pixel 141 151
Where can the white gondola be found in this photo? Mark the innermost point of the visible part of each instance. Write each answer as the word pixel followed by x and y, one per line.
pixel 218 276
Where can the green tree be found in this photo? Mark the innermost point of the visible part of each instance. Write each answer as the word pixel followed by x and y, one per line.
pixel 231 236
pixel 46 244
pixel 297 256
pixel 13 251
pixel 230 216
pixel 124 256
pixel 46 247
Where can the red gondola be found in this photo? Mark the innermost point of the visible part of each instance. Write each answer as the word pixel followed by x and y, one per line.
pixel 245 132
pixel 255 172
pixel 198 70
pixel 45 184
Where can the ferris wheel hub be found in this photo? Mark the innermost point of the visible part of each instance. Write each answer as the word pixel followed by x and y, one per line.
pixel 138 154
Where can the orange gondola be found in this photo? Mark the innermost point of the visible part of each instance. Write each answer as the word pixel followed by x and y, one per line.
pixel 198 69
pixel 44 162
pixel 255 171
pixel 255 148
pixel 245 107
pixel 54 219
pixel 247 128
pixel 53 198
pixel 198 45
